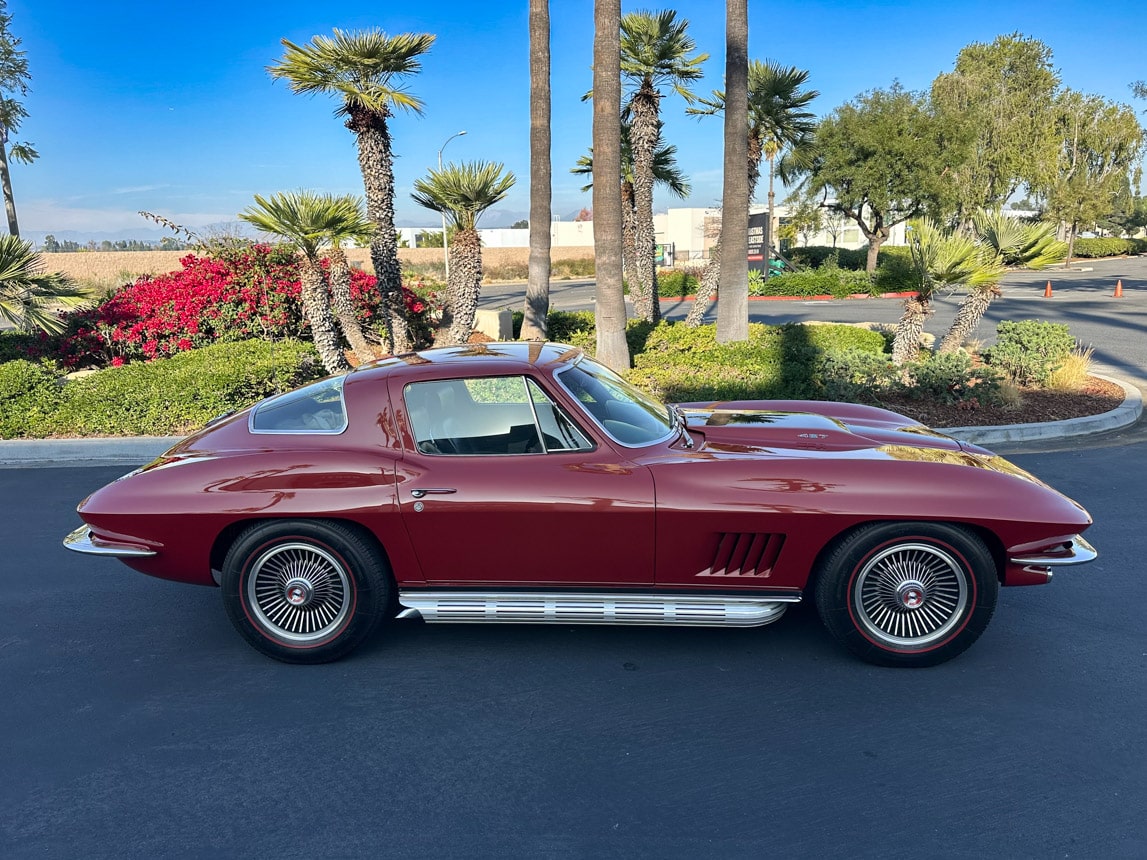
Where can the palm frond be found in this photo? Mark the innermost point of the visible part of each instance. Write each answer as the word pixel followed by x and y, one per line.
pixel 656 49
pixel 462 192
pixel 29 294
pixel 359 65
pixel 308 219
pixel 1018 242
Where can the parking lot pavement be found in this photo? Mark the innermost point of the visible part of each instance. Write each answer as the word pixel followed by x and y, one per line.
pixel 137 724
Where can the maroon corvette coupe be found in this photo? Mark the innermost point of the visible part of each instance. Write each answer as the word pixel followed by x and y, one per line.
pixel 526 482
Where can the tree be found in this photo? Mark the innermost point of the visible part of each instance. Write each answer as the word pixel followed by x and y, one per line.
pixel 1100 145
pixel 1003 93
pixel 537 301
pixel 307 220
pixel 655 52
pixel 462 192
pixel 354 227
pixel 51 245
pixel 941 260
pixel 884 158
pixel 520 224
pixel 666 174
pixel 365 69
pixel 609 313
pixel 806 215
pixel 778 124
pixel 1004 241
pixel 29 293
pixel 733 309
pixel 13 82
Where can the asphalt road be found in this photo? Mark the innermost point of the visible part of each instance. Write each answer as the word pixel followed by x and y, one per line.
pixel 136 723
pixel 1116 328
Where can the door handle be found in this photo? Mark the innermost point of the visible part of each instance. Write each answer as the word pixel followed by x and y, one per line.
pixel 442 491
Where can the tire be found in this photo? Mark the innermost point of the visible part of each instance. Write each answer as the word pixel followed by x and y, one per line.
pixel 305 591
pixel 907 594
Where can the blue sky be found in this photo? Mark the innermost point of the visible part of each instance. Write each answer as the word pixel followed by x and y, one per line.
pixel 168 107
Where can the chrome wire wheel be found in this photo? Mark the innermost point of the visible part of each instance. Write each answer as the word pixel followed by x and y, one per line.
pixel 911 595
pixel 298 592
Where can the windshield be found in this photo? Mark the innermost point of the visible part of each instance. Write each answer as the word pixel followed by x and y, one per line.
pixel 628 415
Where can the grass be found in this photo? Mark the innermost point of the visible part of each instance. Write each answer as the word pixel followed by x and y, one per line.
pixel 1072 374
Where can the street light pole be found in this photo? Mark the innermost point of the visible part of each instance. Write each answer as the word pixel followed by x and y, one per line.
pixel 445 250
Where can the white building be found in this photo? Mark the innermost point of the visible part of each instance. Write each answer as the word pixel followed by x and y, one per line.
pixel 691 231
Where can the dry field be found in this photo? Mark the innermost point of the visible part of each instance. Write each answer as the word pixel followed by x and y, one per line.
pixel 108 269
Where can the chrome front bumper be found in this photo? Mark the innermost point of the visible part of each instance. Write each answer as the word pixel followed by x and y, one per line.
pixel 81 540
pixel 1073 551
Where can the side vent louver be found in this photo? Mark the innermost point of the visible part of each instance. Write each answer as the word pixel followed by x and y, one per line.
pixel 745 554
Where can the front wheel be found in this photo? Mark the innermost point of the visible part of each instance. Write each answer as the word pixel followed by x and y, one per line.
pixel 304 591
pixel 907 594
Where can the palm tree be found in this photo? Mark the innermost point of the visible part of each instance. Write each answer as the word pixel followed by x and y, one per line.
pixel 462 192
pixel 733 311
pixel 655 52
pixel 13 82
pixel 609 314
pixel 780 130
pixel 364 68
pixel 307 220
pixel 355 227
pixel 941 260
pixel 1011 242
pixel 666 174
pixel 537 304
pixel 28 292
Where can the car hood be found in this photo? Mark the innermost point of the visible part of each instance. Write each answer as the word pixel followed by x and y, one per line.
pixel 835 427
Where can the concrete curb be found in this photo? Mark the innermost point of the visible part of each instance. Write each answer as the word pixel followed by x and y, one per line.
pixel 1125 414
pixel 119 451
pixel 136 450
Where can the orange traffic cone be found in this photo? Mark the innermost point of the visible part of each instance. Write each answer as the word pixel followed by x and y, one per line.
pixel 1047 291
pixel 1118 289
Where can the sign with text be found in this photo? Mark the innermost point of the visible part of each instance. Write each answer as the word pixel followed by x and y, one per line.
pixel 757 223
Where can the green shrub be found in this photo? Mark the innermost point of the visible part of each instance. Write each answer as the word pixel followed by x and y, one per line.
pixel 163 397
pixel 950 378
pixel 1104 247
pixel 896 273
pixel 1029 351
pixel 681 363
pixel 29 397
pixel 17 344
pixel 855 375
pixel 825 281
pixel 678 282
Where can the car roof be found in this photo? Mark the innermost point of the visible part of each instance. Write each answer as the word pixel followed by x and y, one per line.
pixel 474 358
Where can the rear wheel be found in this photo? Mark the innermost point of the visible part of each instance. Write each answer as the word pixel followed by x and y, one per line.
pixel 907 594
pixel 304 591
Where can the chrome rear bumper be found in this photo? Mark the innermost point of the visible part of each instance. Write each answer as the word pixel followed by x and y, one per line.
pixel 81 540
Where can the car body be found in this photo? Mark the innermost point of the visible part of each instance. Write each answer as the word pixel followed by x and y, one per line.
pixel 526 482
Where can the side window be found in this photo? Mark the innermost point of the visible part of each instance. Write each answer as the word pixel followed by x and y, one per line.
pixel 489 416
pixel 473 416
pixel 316 409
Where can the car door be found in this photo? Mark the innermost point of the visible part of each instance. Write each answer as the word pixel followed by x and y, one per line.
pixel 502 486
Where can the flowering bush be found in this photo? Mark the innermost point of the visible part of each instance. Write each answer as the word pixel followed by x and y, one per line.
pixel 237 294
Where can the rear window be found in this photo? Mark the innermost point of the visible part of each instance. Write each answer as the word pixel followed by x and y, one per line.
pixel 316 408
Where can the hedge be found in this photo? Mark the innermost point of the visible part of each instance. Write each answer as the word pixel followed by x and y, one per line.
pixel 682 364
pixel 1108 247
pixel 169 396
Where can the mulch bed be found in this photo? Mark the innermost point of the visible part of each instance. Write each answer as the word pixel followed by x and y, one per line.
pixel 1096 397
